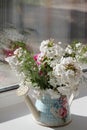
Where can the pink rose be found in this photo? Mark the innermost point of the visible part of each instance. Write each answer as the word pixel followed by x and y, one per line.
pixel 62 112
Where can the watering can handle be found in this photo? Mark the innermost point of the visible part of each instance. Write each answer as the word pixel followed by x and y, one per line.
pixel 23 91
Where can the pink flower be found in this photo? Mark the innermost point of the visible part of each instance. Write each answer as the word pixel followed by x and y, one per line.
pixel 62 112
pixel 36 58
pixel 8 52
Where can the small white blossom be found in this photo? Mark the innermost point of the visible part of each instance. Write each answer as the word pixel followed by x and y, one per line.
pixel 44 46
pixel 69 49
pixel 79 44
pixel 19 52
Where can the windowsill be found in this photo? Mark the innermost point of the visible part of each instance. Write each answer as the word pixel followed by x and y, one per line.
pixel 9 88
pixel 79 119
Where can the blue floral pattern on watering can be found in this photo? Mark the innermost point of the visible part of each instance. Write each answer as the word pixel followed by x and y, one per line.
pixel 54 112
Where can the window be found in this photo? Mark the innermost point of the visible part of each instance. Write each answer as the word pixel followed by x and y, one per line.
pixel 37 20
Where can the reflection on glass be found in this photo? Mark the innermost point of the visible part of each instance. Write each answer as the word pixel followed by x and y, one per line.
pixel 63 20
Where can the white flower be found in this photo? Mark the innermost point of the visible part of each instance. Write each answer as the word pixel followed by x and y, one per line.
pixel 54 62
pixel 51 51
pixel 44 46
pixel 59 73
pixel 65 90
pixel 19 52
pixel 79 44
pixel 52 66
pixel 69 49
pixel 12 61
pixel 54 52
pixel 72 78
pixel 85 54
pixel 68 72
pixel 67 60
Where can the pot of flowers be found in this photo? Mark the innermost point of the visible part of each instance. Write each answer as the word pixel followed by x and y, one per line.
pixel 53 75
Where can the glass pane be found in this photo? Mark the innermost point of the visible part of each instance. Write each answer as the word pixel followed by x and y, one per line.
pixel 38 20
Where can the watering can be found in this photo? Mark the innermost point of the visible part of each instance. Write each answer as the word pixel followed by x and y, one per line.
pixel 47 111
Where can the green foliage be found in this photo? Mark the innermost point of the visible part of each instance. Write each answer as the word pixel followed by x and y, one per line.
pixel 17 44
pixel 32 72
pixel 84 49
pixel 73 45
pixel 79 52
pixel 83 59
pixel 70 55
pixel 51 43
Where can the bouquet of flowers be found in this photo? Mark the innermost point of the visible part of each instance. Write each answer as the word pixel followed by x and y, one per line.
pixel 55 69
